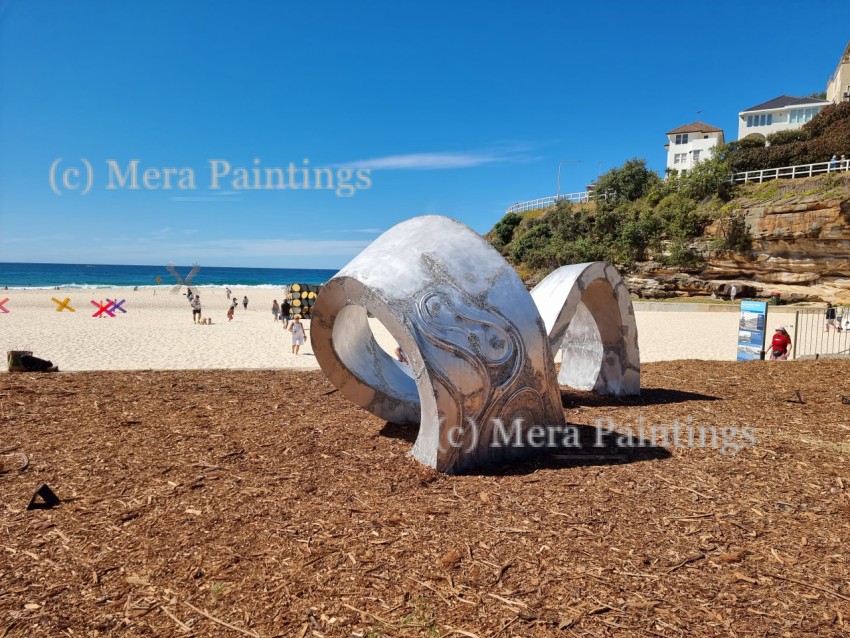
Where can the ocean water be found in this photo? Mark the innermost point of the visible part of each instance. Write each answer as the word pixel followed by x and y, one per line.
pixel 105 276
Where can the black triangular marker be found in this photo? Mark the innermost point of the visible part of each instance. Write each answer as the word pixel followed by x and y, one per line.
pixel 48 499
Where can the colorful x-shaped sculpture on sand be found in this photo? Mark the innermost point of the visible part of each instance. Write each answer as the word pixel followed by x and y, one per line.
pixel 62 305
pixel 102 307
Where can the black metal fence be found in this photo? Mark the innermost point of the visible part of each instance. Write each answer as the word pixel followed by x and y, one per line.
pixel 816 335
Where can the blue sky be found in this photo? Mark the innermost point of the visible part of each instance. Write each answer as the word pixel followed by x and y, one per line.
pixel 456 108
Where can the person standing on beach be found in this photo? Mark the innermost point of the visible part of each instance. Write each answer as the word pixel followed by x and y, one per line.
pixel 228 292
pixel 780 345
pixel 829 318
pixel 275 309
pixel 196 309
pixel 733 292
pixel 245 302
pixel 285 308
pixel 298 336
pixel 230 313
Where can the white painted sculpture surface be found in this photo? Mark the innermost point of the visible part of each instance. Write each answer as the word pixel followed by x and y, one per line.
pixel 589 317
pixel 479 352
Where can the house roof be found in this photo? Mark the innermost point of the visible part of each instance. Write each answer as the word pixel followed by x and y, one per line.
pixel 785 100
pixel 695 127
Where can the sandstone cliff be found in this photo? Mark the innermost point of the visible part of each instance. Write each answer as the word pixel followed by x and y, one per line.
pixel 800 233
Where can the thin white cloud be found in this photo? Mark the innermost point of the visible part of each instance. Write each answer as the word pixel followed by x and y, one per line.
pixel 438 161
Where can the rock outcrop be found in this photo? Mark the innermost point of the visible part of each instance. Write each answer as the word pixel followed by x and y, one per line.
pixel 800 233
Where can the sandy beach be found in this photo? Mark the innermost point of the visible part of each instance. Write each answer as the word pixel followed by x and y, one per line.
pixel 157 331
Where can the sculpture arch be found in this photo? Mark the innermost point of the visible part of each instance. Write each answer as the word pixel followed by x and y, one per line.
pixel 589 317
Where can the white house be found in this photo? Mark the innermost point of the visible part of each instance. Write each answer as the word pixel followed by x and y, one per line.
pixel 782 113
pixel 838 87
pixel 691 143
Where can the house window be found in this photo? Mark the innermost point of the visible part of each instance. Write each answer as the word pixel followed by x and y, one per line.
pixel 681 138
pixel 680 158
pixel 801 116
pixel 696 156
pixel 765 119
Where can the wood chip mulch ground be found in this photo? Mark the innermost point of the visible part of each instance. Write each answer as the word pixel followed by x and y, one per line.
pixel 266 504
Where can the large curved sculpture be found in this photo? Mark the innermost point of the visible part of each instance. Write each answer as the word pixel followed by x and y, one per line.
pixel 481 376
pixel 589 318
pixel 479 354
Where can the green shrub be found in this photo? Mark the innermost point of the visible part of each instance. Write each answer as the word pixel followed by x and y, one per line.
pixel 631 181
pixel 788 136
pixel 733 233
pixel 503 231
pixel 682 255
pixel 680 217
pixel 533 239
pixel 827 118
pixel 705 179
pixel 753 140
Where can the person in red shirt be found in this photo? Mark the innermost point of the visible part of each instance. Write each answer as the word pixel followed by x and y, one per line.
pixel 780 345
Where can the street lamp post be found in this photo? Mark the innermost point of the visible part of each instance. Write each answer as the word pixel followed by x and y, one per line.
pixel 558 194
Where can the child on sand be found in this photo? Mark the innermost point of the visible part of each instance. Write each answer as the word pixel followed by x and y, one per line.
pixel 230 313
pixel 297 330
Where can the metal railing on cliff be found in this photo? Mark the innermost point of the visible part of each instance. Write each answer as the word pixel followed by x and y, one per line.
pixel 545 202
pixel 763 175
pixel 790 172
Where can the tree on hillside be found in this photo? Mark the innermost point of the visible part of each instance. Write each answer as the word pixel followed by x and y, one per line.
pixel 629 182
pixel 503 231
pixel 708 177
